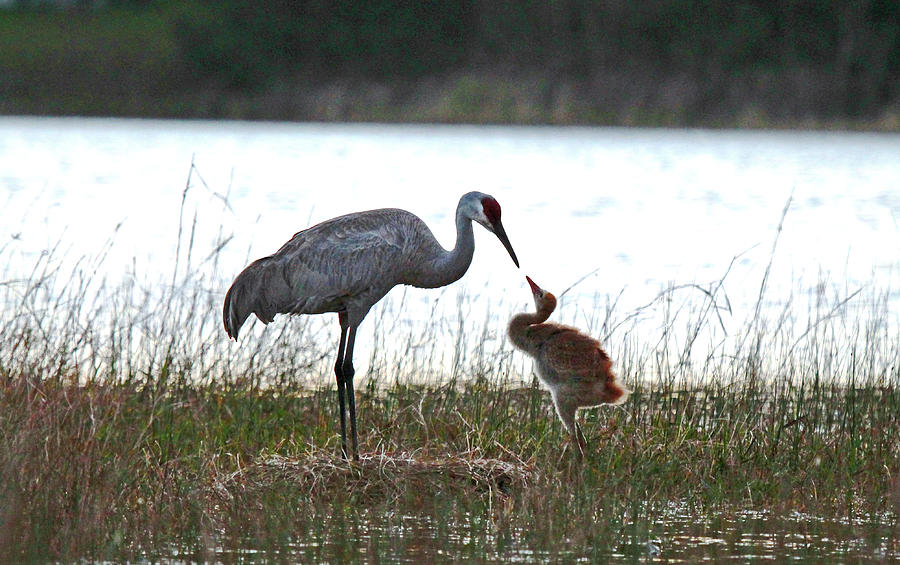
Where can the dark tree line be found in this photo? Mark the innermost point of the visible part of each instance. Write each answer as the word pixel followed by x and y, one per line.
pixel 697 60
pixel 246 42
pixel 853 43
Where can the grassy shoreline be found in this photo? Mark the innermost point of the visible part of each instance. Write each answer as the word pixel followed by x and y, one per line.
pixel 458 98
pixel 132 429
pixel 119 471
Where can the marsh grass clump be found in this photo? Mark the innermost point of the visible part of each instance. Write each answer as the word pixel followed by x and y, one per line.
pixel 119 471
pixel 131 429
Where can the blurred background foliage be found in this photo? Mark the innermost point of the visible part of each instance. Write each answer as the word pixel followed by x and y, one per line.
pixel 678 62
pixel 246 42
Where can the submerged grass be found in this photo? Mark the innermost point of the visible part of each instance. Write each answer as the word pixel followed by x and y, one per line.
pixel 131 429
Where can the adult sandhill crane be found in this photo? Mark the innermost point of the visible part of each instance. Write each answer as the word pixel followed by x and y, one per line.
pixel 571 364
pixel 349 263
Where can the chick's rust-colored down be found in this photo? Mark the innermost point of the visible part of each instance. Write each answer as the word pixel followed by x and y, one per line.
pixel 569 363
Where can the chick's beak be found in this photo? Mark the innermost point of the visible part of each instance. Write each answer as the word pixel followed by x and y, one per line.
pixel 534 288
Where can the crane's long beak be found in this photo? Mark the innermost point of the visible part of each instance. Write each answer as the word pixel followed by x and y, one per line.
pixel 501 235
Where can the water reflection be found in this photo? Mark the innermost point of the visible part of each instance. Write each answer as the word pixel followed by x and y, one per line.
pixel 679 537
pixel 764 535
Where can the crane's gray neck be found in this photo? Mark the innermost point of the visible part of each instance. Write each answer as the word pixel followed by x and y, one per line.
pixel 450 266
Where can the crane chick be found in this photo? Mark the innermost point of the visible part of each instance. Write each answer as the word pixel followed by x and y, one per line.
pixel 571 364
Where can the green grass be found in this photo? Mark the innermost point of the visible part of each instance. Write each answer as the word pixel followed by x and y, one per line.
pixel 118 471
pixel 130 428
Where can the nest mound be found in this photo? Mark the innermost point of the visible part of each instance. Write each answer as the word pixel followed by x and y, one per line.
pixel 322 474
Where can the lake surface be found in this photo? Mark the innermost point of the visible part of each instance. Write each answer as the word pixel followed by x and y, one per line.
pixel 676 537
pixel 627 216
pixel 637 210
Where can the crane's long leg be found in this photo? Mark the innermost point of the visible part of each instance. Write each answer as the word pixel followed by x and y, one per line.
pixel 579 437
pixel 565 408
pixel 348 382
pixel 339 375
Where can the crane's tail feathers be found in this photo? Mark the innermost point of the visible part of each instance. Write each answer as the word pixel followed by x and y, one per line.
pixel 252 292
pixel 231 314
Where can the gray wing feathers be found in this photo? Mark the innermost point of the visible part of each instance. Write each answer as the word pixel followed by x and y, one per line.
pixel 348 262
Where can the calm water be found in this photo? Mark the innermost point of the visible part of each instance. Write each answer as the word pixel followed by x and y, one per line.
pixel 677 536
pixel 640 209
pixel 637 211
pixel 645 206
